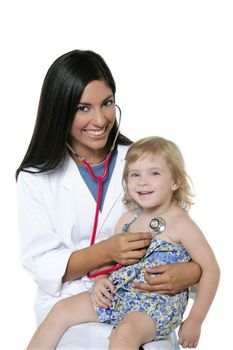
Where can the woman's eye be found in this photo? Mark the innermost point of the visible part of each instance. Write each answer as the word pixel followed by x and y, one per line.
pixel 108 103
pixel 82 109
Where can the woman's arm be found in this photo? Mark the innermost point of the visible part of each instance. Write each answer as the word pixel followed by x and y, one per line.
pixel 122 248
pixel 46 255
pixel 172 278
pixel 43 253
pixel 125 249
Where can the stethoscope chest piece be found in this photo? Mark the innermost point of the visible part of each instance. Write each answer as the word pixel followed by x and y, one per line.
pixel 157 225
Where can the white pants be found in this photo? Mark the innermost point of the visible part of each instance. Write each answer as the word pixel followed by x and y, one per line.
pixel 94 336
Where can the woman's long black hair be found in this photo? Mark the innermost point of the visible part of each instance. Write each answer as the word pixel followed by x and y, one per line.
pixel 60 95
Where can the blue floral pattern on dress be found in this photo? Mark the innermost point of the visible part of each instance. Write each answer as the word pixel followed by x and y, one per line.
pixel 167 311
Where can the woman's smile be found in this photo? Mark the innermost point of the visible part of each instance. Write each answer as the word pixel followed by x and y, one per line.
pixel 93 121
pixel 96 132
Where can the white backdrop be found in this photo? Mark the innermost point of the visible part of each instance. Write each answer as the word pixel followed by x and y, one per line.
pixel 172 62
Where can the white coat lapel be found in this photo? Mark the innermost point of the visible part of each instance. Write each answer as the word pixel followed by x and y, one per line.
pixel 83 204
pixel 79 200
pixel 115 188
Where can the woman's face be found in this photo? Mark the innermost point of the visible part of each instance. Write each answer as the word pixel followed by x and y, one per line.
pixel 93 121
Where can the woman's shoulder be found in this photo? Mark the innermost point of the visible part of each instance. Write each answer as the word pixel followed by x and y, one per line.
pixel 33 177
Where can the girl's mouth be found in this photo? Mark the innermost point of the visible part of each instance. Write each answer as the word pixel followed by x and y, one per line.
pixel 144 193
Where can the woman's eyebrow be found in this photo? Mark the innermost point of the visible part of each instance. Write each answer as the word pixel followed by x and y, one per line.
pixel 110 96
pixel 89 104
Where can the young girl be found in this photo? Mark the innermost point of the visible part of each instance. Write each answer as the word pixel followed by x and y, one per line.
pixel 158 193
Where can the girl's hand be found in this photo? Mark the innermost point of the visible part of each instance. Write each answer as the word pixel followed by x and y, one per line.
pixel 170 279
pixel 189 333
pixel 102 292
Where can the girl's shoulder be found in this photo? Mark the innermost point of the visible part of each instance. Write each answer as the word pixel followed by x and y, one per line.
pixel 180 219
pixel 182 224
pixel 126 218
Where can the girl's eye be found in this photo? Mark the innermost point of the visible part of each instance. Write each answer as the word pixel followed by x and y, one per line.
pixel 155 173
pixel 134 175
pixel 82 109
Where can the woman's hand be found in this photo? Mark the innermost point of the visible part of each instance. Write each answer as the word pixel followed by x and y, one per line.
pixel 127 248
pixel 102 292
pixel 170 279
pixel 122 248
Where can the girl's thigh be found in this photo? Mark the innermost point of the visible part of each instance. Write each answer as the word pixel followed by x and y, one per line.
pixel 78 309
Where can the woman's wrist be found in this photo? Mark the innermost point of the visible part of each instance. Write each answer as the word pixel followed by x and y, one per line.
pixel 86 260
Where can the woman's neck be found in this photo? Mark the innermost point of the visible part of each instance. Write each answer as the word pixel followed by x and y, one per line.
pixel 93 157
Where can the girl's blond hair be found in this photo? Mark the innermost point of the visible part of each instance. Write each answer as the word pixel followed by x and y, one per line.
pixel 152 146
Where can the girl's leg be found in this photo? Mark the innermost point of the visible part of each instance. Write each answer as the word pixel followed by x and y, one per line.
pixel 134 330
pixel 64 314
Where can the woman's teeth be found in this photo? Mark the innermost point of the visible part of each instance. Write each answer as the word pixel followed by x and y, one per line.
pixel 95 132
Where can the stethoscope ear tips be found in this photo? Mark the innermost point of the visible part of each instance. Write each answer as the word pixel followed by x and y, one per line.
pixel 157 225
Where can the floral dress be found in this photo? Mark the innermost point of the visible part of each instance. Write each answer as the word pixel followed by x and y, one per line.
pixel 167 311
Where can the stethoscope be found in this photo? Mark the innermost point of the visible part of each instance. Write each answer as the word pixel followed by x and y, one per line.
pixel 99 180
pixel 156 225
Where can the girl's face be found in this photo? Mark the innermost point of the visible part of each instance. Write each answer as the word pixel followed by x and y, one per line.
pixel 150 183
pixel 93 121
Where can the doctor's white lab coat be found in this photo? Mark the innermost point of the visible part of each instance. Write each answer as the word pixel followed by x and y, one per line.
pixel 56 213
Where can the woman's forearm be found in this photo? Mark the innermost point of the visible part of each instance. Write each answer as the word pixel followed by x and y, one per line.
pixel 171 278
pixel 121 248
pixel 85 260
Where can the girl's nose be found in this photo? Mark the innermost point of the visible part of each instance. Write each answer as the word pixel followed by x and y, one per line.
pixel 143 181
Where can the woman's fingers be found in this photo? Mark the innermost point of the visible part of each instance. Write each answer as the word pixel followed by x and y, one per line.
pixel 131 241
pixel 145 287
pixel 156 281
pixel 129 248
pixel 166 279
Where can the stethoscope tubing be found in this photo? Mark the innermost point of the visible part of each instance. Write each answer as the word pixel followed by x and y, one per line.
pixel 99 180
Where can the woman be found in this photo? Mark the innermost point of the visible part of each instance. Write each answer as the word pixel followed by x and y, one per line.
pixel 77 124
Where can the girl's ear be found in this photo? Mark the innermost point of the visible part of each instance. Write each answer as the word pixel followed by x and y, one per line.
pixel 175 185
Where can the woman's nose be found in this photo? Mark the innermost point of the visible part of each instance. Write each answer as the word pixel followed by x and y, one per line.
pixel 99 118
